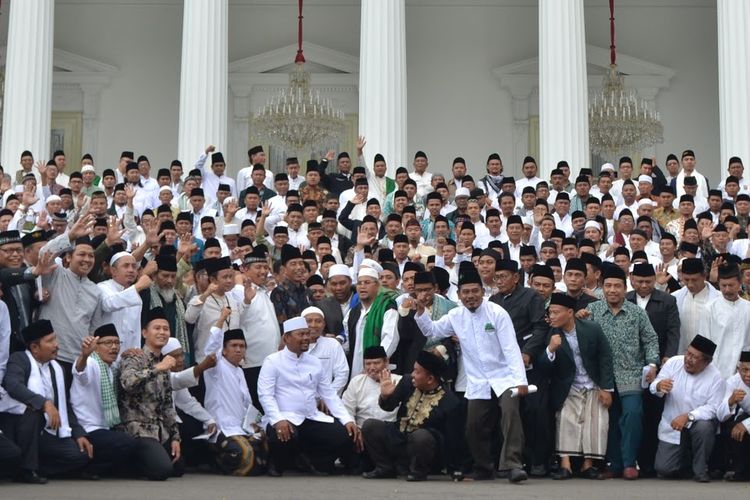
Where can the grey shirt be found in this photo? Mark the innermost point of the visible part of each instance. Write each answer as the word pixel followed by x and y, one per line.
pixel 72 303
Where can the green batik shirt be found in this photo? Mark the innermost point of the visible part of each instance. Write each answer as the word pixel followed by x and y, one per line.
pixel 633 341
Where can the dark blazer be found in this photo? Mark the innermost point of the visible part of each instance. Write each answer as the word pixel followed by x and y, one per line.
pixel 596 356
pixel 665 318
pixel 19 294
pixel 527 311
pixel 411 340
pixel 332 310
pixel 335 183
pixel 16 383
pixel 353 225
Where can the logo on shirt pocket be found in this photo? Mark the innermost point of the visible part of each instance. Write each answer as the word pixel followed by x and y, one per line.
pixel 488 327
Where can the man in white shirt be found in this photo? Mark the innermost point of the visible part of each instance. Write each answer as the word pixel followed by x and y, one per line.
pixel 121 301
pixel 94 400
pixel 494 368
pixel 729 321
pixel 421 176
pixel 692 301
pixel 227 396
pixel 734 412
pixel 258 319
pixel 255 156
pixel 688 170
pixel 215 176
pixel 362 394
pixel 291 383
pixel 693 388
pixel 529 179
pixel 326 349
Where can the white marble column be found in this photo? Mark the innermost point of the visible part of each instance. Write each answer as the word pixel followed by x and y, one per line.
pixel 27 103
pixel 382 81
pixel 563 86
pixel 733 17
pixel 203 79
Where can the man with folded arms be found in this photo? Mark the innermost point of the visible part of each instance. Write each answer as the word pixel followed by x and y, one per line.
pixel 693 388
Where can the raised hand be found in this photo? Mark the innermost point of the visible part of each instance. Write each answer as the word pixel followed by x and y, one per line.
pixel 387 387
pixel 555 341
pixel 45 264
pixel 88 345
pixel 249 291
pixel 210 149
pixel 82 227
pixel 165 364
pixel 361 143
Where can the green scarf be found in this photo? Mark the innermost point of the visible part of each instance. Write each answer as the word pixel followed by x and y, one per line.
pixel 385 300
pixel 109 394
pixel 390 185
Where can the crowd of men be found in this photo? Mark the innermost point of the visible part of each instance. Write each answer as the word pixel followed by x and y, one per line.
pixel 339 321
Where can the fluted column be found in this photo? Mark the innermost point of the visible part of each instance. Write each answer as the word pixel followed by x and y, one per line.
pixel 563 86
pixel 27 103
pixel 734 80
pixel 203 79
pixel 382 81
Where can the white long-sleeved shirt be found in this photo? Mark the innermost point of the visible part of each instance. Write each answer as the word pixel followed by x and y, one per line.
pixel 361 399
pixel 204 315
pixel 258 321
pixel 489 348
pixel 693 311
pixel 181 398
pixel 290 385
pixel 724 411
pixel 697 394
pixel 4 342
pixel 86 396
pixel 227 397
pixel 388 338
pixel 122 307
pixel 211 181
pixel 332 356
pixel 729 328
pixel 245 180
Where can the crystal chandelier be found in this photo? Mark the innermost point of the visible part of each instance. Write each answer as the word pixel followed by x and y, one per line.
pixel 297 118
pixel 619 121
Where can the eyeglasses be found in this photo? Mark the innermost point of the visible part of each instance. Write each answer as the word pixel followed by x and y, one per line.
pixel 12 250
pixel 109 343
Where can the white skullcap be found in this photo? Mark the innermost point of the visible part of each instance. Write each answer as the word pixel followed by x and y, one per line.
pixel 646 201
pixel 594 224
pixel 645 178
pixel 172 345
pixel 372 265
pixel 53 197
pixel 339 270
pixel 462 191
pixel 292 324
pixel 312 310
pixel 527 220
pixel 117 257
pixel 368 272
pixel 230 229
pixel 607 167
pixel 87 168
pixel 228 200
pixel 165 188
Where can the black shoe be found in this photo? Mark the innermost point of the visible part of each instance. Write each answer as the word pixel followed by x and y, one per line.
pixel 538 471
pixel 562 474
pixel 591 473
pixel 457 476
pixel 273 471
pixel 413 477
pixel 481 475
pixel 377 473
pixel 517 475
pixel 503 474
pixel 716 474
pixel 90 476
pixel 703 477
pixel 31 477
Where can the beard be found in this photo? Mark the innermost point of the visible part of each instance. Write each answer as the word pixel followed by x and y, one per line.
pixel 166 293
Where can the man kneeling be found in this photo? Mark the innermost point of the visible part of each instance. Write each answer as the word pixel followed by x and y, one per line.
pixel 426 426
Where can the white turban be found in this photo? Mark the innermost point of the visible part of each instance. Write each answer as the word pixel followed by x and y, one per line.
pixel 117 257
pixel 368 272
pixel 292 324
pixel 172 345
pixel 312 310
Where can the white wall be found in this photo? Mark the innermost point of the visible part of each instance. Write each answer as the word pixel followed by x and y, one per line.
pixel 455 105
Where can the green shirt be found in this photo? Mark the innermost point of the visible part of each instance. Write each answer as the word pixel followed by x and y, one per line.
pixel 633 341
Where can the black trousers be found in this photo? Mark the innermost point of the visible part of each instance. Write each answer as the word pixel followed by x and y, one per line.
pixel 112 449
pixel 40 450
pixel 538 422
pixel 251 378
pixel 738 451
pixel 154 460
pixel 652 409
pixel 10 456
pixel 321 442
pixel 482 419
pixel 193 452
pixel 391 450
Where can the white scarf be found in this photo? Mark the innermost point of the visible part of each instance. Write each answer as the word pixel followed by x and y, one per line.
pixel 36 384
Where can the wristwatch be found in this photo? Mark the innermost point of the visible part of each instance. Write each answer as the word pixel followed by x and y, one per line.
pixel 691 417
